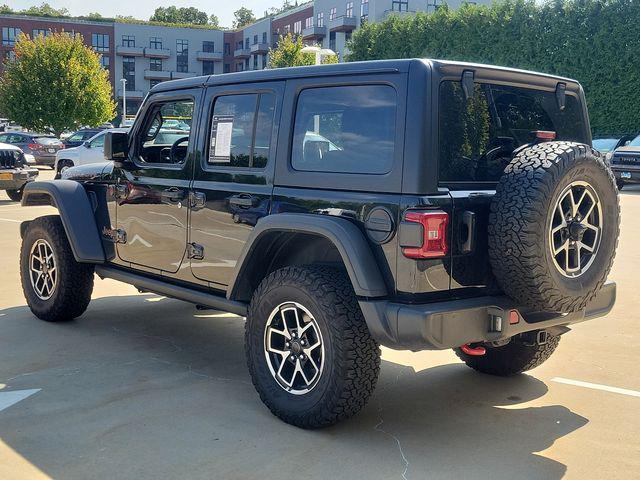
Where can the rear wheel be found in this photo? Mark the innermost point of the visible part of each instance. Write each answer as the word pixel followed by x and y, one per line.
pixel 56 287
pixel 522 353
pixel 15 195
pixel 309 352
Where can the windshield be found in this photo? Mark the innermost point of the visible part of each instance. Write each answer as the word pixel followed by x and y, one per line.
pixel 47 140
pixel 605 144
pixel 635 142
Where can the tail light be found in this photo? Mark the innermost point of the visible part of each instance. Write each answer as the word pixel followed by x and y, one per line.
pixel 34 146
pixel 434 234
pixel 545 135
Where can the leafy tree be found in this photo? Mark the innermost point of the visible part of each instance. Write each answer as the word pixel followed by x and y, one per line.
pixel 55 83
pixel 289 54
pixel 184 15
pixel 243 17
pixel 46 10
pixel 214 21
pixel 5 9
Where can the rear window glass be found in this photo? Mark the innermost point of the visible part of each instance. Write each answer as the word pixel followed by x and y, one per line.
pixel 347 129
pixel 47 140
pixel 478 135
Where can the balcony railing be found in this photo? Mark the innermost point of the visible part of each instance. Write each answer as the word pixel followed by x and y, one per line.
pixel 215 56
pixel 242 53
pixel 131 93
pixel 314 32
pixel 261 47
pixel 342 24
pixel 157 52
pixel 129 51
pixel 158 74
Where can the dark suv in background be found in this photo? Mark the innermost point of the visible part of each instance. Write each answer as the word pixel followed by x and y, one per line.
pixel 625 163
pixel 43 147
pixel 415 204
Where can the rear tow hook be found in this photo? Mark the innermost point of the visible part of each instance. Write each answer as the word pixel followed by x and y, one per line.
pixel 473 351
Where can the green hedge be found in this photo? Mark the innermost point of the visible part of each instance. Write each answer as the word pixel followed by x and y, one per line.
pixel 596 42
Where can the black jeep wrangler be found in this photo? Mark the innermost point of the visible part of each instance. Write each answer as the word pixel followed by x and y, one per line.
pixel 414 204
pixel 15 173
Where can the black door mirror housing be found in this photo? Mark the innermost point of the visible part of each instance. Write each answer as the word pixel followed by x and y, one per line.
pixel 116 147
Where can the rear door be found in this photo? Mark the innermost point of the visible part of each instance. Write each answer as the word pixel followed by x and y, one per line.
pixel 233 178
pixel 477 137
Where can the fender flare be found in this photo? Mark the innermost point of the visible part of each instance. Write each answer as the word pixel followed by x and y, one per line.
pixel 350 242
pixel 76 212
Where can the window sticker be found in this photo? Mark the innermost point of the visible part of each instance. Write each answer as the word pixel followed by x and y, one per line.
pixel 221 132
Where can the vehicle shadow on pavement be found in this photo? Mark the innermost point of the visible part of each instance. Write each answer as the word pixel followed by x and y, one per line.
pixel 155 387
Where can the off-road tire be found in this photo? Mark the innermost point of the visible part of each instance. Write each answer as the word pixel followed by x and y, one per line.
pixel 352 361
pixel 74 285
pixel 15 195
pixel 510 359
pixel 526 196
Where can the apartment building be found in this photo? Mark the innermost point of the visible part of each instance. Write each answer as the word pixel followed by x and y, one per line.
pixel 98 35
pixel 146 55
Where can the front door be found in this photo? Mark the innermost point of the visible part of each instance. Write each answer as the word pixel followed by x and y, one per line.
pixel 152 206
pixel 233 180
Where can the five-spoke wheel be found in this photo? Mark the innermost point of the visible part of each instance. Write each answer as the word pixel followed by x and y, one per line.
pixel 42 269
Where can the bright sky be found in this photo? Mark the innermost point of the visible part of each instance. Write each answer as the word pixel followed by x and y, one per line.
pixel 143 9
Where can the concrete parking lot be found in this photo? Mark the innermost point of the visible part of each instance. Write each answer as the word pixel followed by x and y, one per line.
pixel 146 387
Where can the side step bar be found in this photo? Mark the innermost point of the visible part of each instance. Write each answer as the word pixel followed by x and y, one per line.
pixel 160 287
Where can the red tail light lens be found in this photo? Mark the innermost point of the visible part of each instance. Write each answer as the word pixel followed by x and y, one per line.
pixel 434 226
pixel 545 135
pixel 34 146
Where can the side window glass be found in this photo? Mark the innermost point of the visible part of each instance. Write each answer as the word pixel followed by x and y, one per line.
pixel 241 130
pixel 345 129
pixel 165 137
pixel 98 142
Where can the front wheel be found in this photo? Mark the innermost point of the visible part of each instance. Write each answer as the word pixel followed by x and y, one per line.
pixel 15 195
pixel 56 287
pixel 521 354
pixel 309 351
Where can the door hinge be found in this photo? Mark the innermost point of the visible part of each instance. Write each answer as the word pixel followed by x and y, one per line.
pixel 114 235
pixel 197 199
pixel 195 251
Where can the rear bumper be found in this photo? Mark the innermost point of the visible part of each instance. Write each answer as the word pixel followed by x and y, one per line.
pixel 14 179
pixel 443 325
pixel 47 160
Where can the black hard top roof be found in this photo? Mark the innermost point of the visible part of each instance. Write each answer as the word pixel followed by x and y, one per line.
pixel 349 68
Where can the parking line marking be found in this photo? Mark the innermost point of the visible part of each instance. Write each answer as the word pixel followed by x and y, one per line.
pixel 10 398
pixel 10 220
pixel 597 386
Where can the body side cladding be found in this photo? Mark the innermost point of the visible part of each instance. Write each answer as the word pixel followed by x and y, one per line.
pixel 76 212
pixel 350 242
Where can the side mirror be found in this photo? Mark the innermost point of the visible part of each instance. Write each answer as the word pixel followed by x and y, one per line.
pixel 116 147
pixel 86 144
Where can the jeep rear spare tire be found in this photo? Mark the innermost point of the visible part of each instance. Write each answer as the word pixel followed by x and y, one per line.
pixel 553 226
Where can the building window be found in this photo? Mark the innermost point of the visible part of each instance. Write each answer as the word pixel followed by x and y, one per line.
pixel 153 82
pixel 182 55
pixel 364 9
pixel 39 31
pixel 264 60
pixel 9 35
pixel 239 67
pixel 332 13
pixel 320 19
pixel 246 43
pixel 155 64
pixel 227 49
pixel 347 36
pixel 208 47
pixel 400 5
pixel 100 42
pixel 227 68
pixel 287 29
pixel 129 72
pixel 246 64
pixel 128 41
pixel 264 37
pixel 208 67
pixel 255 39
pixel 349 10
pixel 155 43
pixel 105 61
pixel 240 45
pixel 332 41
pixel 297 27
pixel 308 23
pixel 255 62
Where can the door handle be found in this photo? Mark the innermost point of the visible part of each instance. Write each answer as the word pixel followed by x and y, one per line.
pixel 244 201
pixel 172 195
pixel 469 224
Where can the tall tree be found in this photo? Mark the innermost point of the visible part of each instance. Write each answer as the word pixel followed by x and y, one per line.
pixel 214 21
pixel 289 54
pixel 243 17
pixel 187 15
pixel 46 10
pixel 55 83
